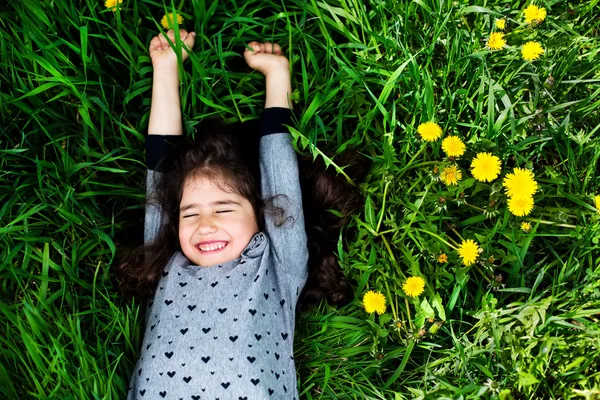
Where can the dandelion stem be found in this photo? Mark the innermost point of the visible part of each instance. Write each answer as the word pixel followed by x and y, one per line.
pixel 389 249
pixel 454 230
pixel 437 237
pixel 383 206
pixel 408 164
pixel 391 303
pixel 475 207
pixel 412 327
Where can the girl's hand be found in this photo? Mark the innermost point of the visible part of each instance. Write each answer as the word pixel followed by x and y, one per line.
pixel 163 55
pixel 266 57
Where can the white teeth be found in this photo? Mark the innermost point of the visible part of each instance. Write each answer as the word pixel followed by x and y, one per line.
pixel 211 247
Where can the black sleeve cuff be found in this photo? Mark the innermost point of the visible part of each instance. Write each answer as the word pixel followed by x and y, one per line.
pixel 274 120
pixel 158 147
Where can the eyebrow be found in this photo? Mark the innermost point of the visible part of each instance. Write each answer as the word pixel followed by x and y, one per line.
pixel 213 204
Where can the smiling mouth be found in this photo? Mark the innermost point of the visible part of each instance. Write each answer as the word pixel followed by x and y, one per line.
pixel 212 248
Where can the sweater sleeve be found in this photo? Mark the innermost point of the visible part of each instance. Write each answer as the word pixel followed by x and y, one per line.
pixel 157 148
pixel 280 178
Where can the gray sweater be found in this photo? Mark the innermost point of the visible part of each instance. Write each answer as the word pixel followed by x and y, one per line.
pixel 227 331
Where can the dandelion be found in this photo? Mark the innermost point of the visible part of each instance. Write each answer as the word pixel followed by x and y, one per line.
pixel 451 175
pixel 414 286
pixel 453 146
pixel 468 251
pixel 520 206
pixel 597 202
pixel 485 167
pixel 520 183
pixel 429 131
pixel 169 22
pixel 496 41
pixel 500 23
pixel 532 51
pixel 374 301
pixel 442 258
pixel 534 14
pixel 525 226
pixel 112 4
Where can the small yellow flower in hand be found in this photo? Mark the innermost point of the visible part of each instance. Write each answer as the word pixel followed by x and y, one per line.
pixel 168 22
pixel 112 4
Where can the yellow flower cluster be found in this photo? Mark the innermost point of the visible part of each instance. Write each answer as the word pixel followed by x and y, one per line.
pixel 530 51
pixel 520 187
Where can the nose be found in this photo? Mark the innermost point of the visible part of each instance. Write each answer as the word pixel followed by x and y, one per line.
pixel 206 224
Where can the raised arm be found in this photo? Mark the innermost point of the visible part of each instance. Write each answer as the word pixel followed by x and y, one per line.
pixel 164 129
pixel 278 160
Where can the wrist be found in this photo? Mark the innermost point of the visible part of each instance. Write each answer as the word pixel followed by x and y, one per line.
pixel 278 71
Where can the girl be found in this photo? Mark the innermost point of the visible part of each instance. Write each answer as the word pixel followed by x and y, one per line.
pixel 226 264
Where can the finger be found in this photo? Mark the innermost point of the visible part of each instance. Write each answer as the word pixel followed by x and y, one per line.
pixel 190 40
pixel 163 40
pixel 255 46
pixel 183 34
pixel 171 34
pixel 268 47
pixel 155 42
pixel 277 49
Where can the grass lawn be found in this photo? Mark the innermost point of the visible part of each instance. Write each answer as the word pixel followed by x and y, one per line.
pixel 506 243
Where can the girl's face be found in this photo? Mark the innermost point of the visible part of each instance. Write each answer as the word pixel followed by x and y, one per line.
pixel 214 226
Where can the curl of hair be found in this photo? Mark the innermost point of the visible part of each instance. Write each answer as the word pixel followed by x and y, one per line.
pixel 218 157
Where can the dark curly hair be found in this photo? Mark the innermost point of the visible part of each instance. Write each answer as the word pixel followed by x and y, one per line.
pixel 218 156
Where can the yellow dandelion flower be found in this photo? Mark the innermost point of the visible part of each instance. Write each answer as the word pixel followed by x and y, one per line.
pixel 500 23
pixel 520 206
pixel 429 131
pixel 597 202
pixel 534 14
pixel 485 167
pixel 112 4
pixel 468 251
pixel 414 286
pixel 168 22
pixel 496 41
pixel 451 175
pixel 532 51
pixel 374 301
pixel 525 226
pixel 520 183
pixel 442 258
pixel 453 146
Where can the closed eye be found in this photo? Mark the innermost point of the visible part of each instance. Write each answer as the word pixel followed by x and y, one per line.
pixel 224 211
pixel 190 215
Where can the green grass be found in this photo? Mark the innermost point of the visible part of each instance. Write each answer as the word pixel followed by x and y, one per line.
pixel 75 93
